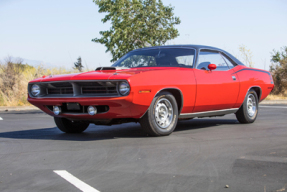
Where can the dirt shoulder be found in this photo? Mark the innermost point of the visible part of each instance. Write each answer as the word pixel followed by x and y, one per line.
pixel 18 108
pixel 271 102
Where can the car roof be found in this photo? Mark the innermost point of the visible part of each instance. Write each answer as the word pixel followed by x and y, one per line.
pixel 197 47
pixel 181 46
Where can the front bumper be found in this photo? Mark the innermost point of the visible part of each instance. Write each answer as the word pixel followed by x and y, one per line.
pixel 119 107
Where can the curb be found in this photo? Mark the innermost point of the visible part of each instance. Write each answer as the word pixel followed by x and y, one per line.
pixel 19 108
pixel 271 102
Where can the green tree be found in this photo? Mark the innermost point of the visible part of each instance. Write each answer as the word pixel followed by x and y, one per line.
pixel 278 70
pixel 136 24
pixel 78 65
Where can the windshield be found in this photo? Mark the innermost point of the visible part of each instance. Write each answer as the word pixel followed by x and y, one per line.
pixel 167 57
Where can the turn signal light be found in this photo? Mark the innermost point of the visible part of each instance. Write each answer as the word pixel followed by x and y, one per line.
pixel 144 91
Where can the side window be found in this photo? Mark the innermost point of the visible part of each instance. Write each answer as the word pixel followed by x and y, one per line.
pixel 211 57
pixel 228 62
pixel 185 60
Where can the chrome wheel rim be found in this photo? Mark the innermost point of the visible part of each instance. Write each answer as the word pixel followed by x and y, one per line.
pixel 163 113
pixel 251 105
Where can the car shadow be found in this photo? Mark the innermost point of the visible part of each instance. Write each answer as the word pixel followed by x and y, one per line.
pixel 184 125
pixel 93 133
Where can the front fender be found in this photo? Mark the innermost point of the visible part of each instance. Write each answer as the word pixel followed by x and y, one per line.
pixel 145 86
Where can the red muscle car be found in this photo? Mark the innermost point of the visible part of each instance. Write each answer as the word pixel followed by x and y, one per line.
pixel 156 86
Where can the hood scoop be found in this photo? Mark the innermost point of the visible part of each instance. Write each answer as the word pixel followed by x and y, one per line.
pixel 110 68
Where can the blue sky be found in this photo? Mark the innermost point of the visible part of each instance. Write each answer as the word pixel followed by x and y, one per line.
pixel 56 32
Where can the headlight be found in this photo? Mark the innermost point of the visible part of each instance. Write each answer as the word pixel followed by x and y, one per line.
pixel 124 88
pixel 35 90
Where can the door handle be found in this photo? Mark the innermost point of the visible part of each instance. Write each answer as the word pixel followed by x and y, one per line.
pixel 234 78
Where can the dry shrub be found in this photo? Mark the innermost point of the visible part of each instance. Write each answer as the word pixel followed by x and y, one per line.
pixel 11 85
pixel 277 97
pixel 279 72
pixel 14 78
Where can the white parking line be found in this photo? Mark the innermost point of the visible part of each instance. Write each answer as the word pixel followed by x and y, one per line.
pixel 1 118
pixel 274 107
pixel 75 181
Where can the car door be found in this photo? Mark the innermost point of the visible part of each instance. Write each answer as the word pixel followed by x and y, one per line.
pixel 217 89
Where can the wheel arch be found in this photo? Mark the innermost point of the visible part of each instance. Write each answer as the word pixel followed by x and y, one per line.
pixel 258 91
pixel 241 114
pixel 177 95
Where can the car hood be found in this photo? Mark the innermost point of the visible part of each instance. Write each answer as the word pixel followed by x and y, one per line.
pixel 100 74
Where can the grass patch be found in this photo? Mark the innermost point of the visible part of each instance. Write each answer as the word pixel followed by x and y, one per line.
pixel 276 97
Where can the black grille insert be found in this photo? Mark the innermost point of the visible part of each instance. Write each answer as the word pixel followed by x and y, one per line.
pixel 60 91
pixel 99 88
pixel 61 84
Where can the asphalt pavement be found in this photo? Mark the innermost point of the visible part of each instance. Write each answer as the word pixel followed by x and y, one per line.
pixel 202 155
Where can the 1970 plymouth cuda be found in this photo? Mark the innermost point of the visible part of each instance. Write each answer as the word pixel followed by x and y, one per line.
pixel 155 86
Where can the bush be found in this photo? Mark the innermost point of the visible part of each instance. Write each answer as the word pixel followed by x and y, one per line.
pixel 14 78
pixel 278 70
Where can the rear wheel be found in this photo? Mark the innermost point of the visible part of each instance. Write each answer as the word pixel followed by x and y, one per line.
pixel 69 126
pixel 249 109
pixel 161 117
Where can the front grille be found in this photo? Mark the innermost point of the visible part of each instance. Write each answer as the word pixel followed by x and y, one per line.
pixel 87 90
pixel 99 88
pixel 60 91
pixel 78 89
pixel 61 84
pixel 59 88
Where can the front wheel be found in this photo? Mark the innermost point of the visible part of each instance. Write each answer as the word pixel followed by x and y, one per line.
pixel 247 113
pixel 161 117
pixel 69 126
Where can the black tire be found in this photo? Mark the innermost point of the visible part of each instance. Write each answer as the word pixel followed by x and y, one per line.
pixel 69 126
pixel 242 115
pixel 165 101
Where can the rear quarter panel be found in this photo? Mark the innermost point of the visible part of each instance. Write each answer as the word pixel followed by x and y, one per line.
pixel 251 77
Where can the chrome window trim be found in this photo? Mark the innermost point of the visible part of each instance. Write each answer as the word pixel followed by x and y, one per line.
pixel 214 50
pixel 151 48
pixel 227 57
pixel 225 61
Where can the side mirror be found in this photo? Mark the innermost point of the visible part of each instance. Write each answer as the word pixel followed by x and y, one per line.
pixel 211 67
